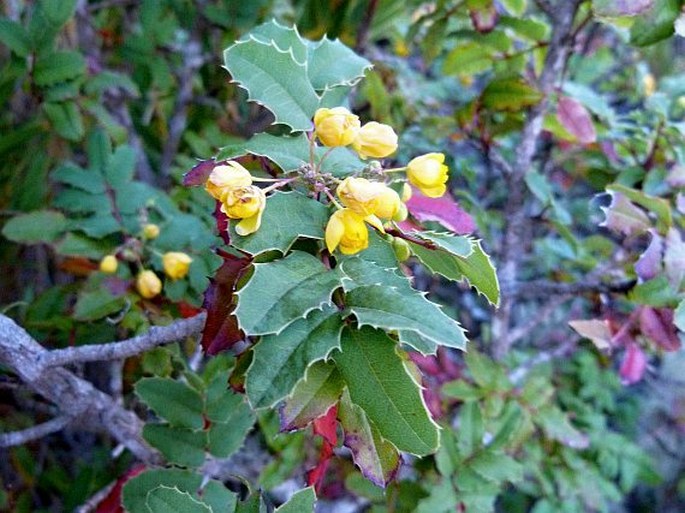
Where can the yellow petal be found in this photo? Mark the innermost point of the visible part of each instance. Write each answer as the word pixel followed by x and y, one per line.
pixel 335 229
pixel 375 222
pixel 249 224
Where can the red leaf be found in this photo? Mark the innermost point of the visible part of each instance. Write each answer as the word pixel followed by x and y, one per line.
pixel 444 210
pixel 221 329
pixel 657 325
pixel 484 19
pixel 633 365
pixel 326 427
pixel 200 172
pixel 576 119
pixel 112 503
pixel 222 223
pixel 187 310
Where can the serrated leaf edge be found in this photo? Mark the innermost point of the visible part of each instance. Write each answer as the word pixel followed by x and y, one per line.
pixel 200 503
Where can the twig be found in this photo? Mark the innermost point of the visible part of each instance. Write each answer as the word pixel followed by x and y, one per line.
pixel 34 432
pixel 519 374
pixel 365 26
pixel 157 336
pixel 544 288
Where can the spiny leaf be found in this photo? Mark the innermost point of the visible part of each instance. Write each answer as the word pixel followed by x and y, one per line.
pixel 172 400
pixel 392 309
pixel 165 499
pixel 301 502
pixel 288 216
pixel 330 63
pixel 178 445
pixel 274 79
pixel 379 383
pixel 312 397
pixel 283 291
pixel 378 459
pixel 361 273
pixel 280 361
pixel 285 38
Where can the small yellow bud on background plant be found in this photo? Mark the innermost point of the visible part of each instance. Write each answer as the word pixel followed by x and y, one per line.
pixel 346 230
pixel 151 231
pixel 109 264
pixel 428 174
pixel 375 140
pixel 245 203
pixel 336 127
pixel 649 84
pixel 176 264
pixel 148 284
pixel 224 178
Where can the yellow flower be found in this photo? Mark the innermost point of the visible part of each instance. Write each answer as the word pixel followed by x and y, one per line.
pixel 346 229
pixel 223 178
pixel 148 284
pixel 360 195
pixel 375 140
pixel 176 264
pixel 388 203
pixel 649 84
pixel 428 174
pixel 336 127
pixel 246 203
pixel 406 192
pixel 109 264
pixel 151 231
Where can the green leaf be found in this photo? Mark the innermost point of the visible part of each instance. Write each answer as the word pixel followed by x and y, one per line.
pixel 390 308
pixel 274 79
pixel 417 342
pixel 287 217
pixel 97 304
pixel 458 245
pixel 58 13
pixel 659 206
pixel 283 291
pixel 86 180
pixel 557 426
pixel 468 58
pixel 97 226
pixel 496 466
pixel 312 397
pixel 227 437
pixel 508 425
pixel 285 38
pixel 66 119
pixel 679 316
pixel 121 166
pixel 172 400
pixel 470 433
pixel 377 459
pixel 13 35
pixel 165 499
pixel 486 372
pixel 656 24
pixel 509 94
pixel 656 292
pixel 254 504
pixel 74 244
pixel 178 445
pixel 35 227
pixel 301 502
pixel 280 361
pixel 515 7
pixel 360 273
pixel 461 390
pixel 331 64
pixel 214 494
pixel 476 269
pixel 57 67
pixel 381 385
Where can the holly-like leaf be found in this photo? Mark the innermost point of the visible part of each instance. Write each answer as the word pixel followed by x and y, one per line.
pixel 288 216
pixel 312 397
pixel 273 78
pixel 178 445
pixel 172 400
pixel 165 499
pixel 301 502
pixel 377 458
pixel 385 307
pixel 330 63
pixel 453 244
pixel 378 382
pixel 443 210
pixel 476 269
pixel 35 227
pixel 360 273
pixel 576 120
pixel 221 329
pixel 283 291
pixel 285 38
pixel 280 361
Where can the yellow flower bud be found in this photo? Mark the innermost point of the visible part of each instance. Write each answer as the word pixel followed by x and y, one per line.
pixel 229 176
pixel 151 231
pixel 401 249
pixel 649 84
pixel 336 127
pixel 360 195
pixel 428 174
pixel 176 264
pixel 246 203
pixel 401 214
pixel 375 140
pixel 346 229
pixel 389 203
pixel 109 264
pixel 148 284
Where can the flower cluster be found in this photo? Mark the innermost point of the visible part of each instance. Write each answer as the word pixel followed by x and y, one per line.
pixel 364 201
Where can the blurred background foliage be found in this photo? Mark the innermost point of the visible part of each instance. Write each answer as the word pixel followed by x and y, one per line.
pixel 106 104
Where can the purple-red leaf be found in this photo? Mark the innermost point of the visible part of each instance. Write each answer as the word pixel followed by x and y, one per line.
pixel 657 325
pixel 200 172
pixel 222 224
pixel 445 210
pixel 221 329
pixel 112 502
pixel 633 365
pixel 576 120
pixel 484 19
pixel 326 427
pixel 649 263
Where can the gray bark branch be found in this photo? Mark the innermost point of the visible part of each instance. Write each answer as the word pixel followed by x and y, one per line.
pixel 34 432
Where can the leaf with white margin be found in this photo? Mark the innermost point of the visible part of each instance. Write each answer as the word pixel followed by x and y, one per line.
pixel 302 501
pixel 274 79
pixel 166 499
pixel 330 63
pixel 282 291
pixel 379 382
pixel 280 361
